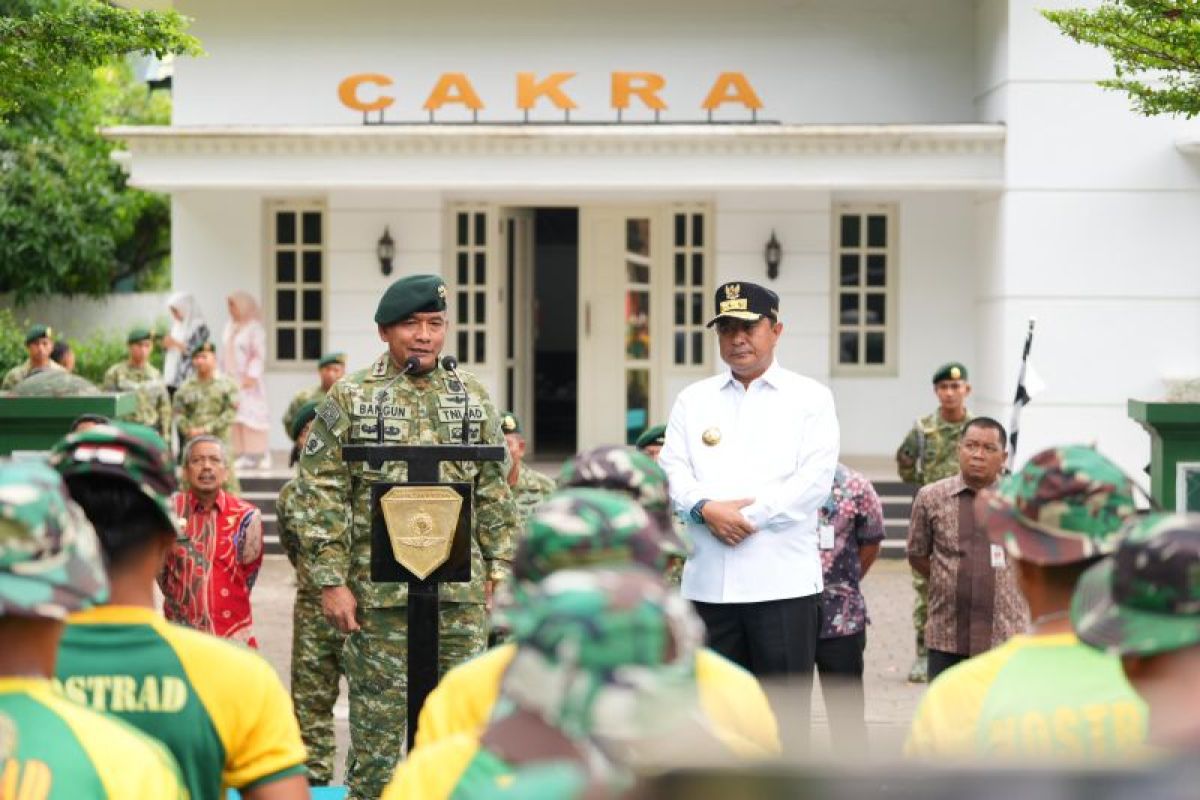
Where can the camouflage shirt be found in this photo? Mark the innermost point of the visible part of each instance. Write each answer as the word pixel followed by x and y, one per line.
pixel 938 458
pixel 532 488
pixel 425 409
pixel 209 405
pixel 153 403
pixel 21 372
pixel 313 394
pixel 54 383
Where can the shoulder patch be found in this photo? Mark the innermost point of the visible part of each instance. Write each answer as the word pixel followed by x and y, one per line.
pixel 314 444
pixel 329 413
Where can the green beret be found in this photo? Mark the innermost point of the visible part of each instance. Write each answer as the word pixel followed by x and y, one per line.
pixel 304 415
pixel 510 423
pixel 954 371
pixel 38 332
pixel 205 347
pixel 138 335
pixel 656 435
pixel 409 296
pixel 332 358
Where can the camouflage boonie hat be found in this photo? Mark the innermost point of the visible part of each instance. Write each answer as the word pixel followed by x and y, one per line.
pixel 580 527
pixel 122 450
pixel 1066 505
pixel 1145 599
pixel 50 563
pixel 624 469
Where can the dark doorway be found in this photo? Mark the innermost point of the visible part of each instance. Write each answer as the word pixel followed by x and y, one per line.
pixel 556 330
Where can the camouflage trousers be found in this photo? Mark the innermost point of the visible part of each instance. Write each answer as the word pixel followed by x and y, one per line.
pixel 316 671
pixel 920 616
pixel 377 671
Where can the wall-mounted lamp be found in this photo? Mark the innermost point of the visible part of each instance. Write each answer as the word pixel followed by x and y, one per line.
pixel 386 250
pixel 773 253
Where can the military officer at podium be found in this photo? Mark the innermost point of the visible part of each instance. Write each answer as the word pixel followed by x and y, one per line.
pixel 423 406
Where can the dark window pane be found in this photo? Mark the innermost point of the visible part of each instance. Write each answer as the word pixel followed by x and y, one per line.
pixel 697 230
pixel 637 403
pixel 463 308
pixel 510 307
pixel 480 269
pixel 876 231
pixel 285 344
pixel 636 272
pixel 480 352
pixel 875 347
pixel 876 309
pixel 697 269
pixel 680 347
pixel 510 382
pixel 312 266
pixel 464 269
pixel 697 308
pixel 851 230
pixel 697 348
pixel 680 308
pixel 480 228
pixel 312 344
pixel 877 270
pixel 463 223
pixel 849 270
pixel 680 269
pixel 312 228
pixel 463 354
pixel 285 227
pixel 848 308
pixel 285 305
pixel 312 306
pixel 848 347
pixel 680 230
pixel 481 307
pixel 637 236
pixel 285 266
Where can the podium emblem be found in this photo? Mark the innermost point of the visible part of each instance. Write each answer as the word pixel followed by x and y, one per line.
pixel 421 521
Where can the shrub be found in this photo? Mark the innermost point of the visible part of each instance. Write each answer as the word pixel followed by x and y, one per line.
pixel 93 354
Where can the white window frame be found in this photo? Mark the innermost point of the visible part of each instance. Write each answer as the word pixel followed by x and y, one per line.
pixel 271 283
pixel 473 327
pixel 668 289
pixel 888 368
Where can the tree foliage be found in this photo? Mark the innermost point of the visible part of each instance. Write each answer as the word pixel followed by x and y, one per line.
pixel 68 221
pixel 1155 47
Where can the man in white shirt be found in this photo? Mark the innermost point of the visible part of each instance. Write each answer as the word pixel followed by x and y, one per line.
pixel 750 454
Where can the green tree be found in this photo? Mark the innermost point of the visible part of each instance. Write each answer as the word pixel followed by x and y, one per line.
pixel 68 221
pixel 1155 46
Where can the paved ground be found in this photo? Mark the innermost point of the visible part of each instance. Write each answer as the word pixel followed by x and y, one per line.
pixel 890 698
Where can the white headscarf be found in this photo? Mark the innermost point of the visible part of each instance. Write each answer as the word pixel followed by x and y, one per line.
pixel 181 330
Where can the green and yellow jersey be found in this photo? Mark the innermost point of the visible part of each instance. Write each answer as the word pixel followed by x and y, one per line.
pixel 51 749
pixel 218 707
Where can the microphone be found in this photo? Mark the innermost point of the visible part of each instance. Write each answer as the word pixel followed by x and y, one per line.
pixel 450 364
pixel 410 364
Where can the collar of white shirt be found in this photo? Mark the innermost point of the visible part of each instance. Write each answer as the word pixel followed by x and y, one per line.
pixel 771 378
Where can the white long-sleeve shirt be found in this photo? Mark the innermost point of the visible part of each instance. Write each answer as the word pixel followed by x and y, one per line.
pixel 778 445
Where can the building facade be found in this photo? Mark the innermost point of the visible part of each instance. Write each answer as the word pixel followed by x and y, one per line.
pixel 583 175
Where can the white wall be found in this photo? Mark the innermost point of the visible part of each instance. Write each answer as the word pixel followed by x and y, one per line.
pixel 79 317
pixel 280 61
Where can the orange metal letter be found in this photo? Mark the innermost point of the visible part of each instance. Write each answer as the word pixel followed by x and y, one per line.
pixel 348 92
pixel 453 87
pixel 529 89
pixel 732 87
pixel 648 85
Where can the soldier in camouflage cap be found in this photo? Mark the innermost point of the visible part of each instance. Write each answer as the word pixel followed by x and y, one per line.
pixel 50 562
pixel 137 375
pixel 1143 604
pixel 529 487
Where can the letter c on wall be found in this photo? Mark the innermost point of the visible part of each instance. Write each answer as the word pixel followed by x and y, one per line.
pixel 348 92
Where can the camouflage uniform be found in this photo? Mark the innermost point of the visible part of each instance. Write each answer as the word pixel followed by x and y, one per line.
pixel 313 394
pixel 316 648
pixel 211 406
pixel 424 409
pixel 928 454
pixel 531 490
pixel 153 402
pixel 22 371
pixel 55 383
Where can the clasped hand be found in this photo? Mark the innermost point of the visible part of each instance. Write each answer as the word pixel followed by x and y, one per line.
pixel 724 518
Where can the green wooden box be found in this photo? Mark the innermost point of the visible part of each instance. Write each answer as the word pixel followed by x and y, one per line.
pixel 36 423
pixel 1174 430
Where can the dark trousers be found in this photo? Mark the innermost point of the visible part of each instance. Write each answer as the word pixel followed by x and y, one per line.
pixel 840 665
pixel 940 661
pixel 772 639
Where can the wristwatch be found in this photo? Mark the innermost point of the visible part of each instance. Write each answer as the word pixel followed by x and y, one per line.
pixel 697 512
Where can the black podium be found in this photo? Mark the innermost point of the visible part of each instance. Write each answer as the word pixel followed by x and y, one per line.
pixel 423 486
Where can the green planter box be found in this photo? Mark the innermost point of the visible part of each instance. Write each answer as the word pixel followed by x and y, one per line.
pixel 36 423
pixel 1174 430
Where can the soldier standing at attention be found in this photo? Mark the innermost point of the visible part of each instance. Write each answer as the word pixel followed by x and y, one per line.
pixel 930 453
pixel 39 341
pixel 206 404
pixel 331 368
pixel 138 375
pixel 529 487
pixel 427 406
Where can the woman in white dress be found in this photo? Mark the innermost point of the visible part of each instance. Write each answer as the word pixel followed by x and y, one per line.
pixel 188 331
pixel 243 358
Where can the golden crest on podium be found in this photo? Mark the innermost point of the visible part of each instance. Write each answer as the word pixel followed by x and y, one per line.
pixel 421 521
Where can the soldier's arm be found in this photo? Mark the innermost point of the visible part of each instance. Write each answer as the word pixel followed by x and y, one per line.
pixel 109 384
pixel 323 528
pixel 285 522
pixel 164 413
pixel 497 519
pixel 229 406
pixel 906 458
pixel 182 413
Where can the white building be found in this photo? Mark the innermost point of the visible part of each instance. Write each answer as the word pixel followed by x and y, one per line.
pixel 936 171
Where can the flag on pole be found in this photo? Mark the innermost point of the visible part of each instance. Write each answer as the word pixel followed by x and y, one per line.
pixel 1029 383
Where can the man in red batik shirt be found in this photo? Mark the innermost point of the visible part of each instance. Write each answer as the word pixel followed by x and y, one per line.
pixel 207 578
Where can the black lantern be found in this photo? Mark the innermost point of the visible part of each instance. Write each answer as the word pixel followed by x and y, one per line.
pixel 386 250
pixel 773 252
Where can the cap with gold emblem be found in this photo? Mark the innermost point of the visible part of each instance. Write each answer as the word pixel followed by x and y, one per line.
pixel 954 371
pixel 38 332
pixel 411 295
pixel 139 334
pixel 205 347
pixel 329 359
pixel 510 423
pixel 748 301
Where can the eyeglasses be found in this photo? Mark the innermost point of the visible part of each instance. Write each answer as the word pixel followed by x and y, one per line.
pixel 975 447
